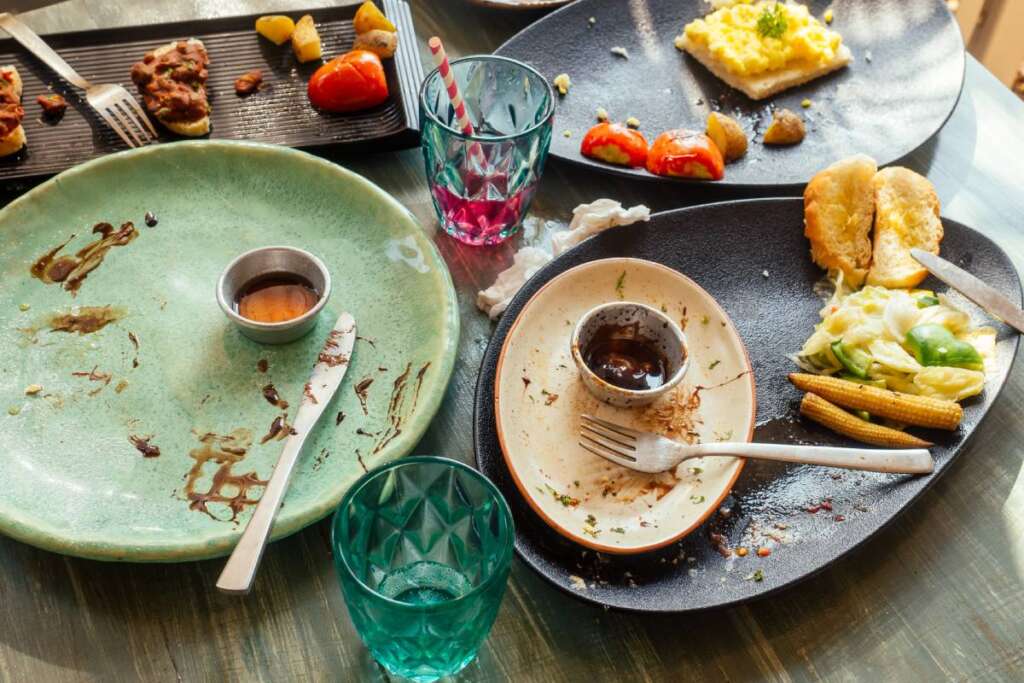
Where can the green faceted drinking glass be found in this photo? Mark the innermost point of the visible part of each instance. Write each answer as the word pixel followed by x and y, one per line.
pixel 423 548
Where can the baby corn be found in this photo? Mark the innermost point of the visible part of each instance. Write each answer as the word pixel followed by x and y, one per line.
pixel 838 420
pixel 922 411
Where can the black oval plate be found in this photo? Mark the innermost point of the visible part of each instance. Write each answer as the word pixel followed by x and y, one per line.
pixel 758 268
pixel 885 107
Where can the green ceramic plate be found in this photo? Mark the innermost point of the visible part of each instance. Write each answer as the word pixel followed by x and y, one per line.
pixel 71 480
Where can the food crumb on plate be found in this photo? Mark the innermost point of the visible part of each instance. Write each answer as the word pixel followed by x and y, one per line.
pixel 828 16
pixel 591 21
pixel 633 122
pixel 764 274
pixel 33 389
pixel 806 103
pixel 562 82
pixel 577 582
pixel 13 410
pixel 620 52
pixel 23 307
pixel 567 133
pixel 602 114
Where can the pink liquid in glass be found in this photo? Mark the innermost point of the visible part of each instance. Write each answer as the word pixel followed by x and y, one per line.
pixel 480 220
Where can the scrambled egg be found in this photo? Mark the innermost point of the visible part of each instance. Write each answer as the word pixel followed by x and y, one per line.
pixel 731 35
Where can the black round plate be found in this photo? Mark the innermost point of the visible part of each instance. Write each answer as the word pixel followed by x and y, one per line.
pixel 757 266
pixel 905 79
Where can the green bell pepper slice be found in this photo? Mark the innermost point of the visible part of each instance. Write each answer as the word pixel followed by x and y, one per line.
pixel 927 300
pixel 854 361
pixel 935 345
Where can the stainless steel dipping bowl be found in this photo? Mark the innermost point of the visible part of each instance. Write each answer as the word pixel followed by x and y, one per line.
pixel 264 261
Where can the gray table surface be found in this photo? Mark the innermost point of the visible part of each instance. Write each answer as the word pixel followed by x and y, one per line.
pixel 937 596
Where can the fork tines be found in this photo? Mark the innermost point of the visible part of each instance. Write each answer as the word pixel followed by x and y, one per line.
pixel 607 439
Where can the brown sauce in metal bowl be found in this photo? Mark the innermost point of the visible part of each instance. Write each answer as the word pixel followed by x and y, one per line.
pixel 619 355
pixel 276 297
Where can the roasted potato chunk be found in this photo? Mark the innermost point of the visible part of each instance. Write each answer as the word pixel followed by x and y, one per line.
pixel 276 28
pixel 369 17
pixel 305 40
pixel 381 43
pixel 786 128
pixel 728 135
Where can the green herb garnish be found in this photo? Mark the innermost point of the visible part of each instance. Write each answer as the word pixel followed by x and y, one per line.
pixel 619 285
pixel 697 499
pixel 591 520
pixel 758 575
pixel 617 530
pixel 714 364
pixel 772 22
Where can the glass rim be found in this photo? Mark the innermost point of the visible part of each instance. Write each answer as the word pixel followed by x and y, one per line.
pixel 549 110
pixel 361 483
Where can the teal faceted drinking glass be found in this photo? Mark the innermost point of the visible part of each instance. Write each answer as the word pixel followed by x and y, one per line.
pixel 423 548
pixel 482 184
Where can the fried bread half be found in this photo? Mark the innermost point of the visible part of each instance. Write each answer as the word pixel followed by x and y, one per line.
pixel 839 205
pixel 906 216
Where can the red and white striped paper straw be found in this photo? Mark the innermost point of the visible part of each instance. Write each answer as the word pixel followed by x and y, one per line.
pixel 445 69
pixel 441 59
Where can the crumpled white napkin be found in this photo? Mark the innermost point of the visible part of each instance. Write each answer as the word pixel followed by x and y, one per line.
pixel 587 221
pixel 590 219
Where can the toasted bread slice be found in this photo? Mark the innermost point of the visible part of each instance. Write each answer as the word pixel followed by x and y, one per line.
pixel 12 142
pixel 906 216
pixel 188 128
pixel 767 84
pixel 839 204
pixel 15 140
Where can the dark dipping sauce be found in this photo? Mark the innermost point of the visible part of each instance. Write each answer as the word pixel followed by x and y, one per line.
pixel 622 357
pixel 275 298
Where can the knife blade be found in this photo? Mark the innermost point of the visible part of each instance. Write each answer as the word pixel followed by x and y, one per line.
pixel 985 296
pixel 328 372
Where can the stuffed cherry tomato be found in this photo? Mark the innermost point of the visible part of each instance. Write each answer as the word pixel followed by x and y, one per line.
pixel 685 154
pixel 350 82
pixel 614 143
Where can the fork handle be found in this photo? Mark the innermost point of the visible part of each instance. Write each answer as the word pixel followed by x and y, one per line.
pixel 34 44
pixel 904 461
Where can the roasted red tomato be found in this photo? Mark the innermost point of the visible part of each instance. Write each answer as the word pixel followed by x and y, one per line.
pixel 685 154
pixel 350 82
pixel 615 143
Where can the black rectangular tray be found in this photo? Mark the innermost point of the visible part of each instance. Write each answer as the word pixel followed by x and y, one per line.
pixel 280 113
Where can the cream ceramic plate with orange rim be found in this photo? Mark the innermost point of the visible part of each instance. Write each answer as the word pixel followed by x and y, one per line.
pixel 539 398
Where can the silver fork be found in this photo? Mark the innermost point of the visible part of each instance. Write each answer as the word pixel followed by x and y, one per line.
pixel 648 452
pixel 114 104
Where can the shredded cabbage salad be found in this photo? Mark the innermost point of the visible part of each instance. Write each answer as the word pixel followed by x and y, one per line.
pixel 911 341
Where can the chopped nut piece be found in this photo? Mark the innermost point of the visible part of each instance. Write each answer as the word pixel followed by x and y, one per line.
pixel 620 52
pixel 602 114
pixel 13 410
pixel 806 103
pixel 23 307
pixel 567 133
pixel 562 83
pixel 633 122
pixel 33 389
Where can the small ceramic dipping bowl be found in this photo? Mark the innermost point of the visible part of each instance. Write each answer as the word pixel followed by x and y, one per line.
pixel 270 261
pixel 627 320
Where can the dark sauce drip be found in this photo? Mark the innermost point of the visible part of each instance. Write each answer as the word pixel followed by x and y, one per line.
pixel 274 398
pixel 276 297
pixel 621 356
